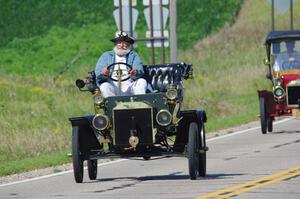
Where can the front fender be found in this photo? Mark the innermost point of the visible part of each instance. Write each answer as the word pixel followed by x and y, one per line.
pixel 188 116
pixel 201 116
pixel 88 141
pixel 269 100
pixel 82 121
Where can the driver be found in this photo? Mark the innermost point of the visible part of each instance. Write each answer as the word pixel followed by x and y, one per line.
pixel 288 59
pixel 121 53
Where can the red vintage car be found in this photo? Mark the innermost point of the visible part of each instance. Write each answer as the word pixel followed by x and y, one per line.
pixel 283 61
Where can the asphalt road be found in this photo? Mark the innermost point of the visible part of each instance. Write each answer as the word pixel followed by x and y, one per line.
pixel 243 164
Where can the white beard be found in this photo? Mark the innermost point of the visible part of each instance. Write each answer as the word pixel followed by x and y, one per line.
pixel 121 52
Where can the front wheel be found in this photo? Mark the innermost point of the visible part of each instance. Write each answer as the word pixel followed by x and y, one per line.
pixel 76 156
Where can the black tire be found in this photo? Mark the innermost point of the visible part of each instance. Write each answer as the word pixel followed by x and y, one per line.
pixel 77 160
pixel 202 155
pixel 270 124
pixel 92 169
pixel 193 151
pixel 263 115
pixel 146 157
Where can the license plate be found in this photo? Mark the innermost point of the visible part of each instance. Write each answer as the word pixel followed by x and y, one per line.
pixel 296 112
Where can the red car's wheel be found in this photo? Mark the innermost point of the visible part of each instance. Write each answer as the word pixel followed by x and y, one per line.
pixel 270 124
pixel 263 115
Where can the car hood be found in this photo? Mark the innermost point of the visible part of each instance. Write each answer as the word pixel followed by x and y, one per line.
pixel 289 78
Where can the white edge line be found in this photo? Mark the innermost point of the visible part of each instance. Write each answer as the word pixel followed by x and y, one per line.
pixel 245 131
pixel 121 160
pixel 57 174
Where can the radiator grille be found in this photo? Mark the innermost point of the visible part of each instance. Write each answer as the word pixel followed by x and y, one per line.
pixel 293 95
pixel 142 123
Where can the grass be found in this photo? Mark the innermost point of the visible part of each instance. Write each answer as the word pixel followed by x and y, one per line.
pixel 35 162
pixel 49 54
pixel 48 112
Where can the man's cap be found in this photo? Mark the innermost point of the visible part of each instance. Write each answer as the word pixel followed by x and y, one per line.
pixel 122 36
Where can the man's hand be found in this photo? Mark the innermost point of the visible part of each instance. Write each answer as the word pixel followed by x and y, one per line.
pixel 133 72
pixel 105 71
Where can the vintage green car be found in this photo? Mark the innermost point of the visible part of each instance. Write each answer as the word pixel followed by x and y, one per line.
pixel 146 125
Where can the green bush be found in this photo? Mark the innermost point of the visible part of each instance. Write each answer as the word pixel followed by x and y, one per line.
pixel 197 19
pixel 44 36
pixel 25 19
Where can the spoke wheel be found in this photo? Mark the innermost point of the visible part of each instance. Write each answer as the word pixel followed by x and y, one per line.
pixel 193 151
pixel 92 169
pixel 263 115
pixel 77 160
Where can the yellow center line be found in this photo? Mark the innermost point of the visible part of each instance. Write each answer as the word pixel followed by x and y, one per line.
pixel 248 186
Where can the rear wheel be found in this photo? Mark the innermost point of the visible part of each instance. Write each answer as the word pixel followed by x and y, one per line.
pixel 147 157
pixel 76 156
pixel 193 151
pixel 202 154
pixel 270 124
pixel 92 169
pixel 263 115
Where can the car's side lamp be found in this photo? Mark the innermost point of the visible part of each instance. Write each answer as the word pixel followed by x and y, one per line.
pixel 80 83
pixel 268 75
pixel 266 61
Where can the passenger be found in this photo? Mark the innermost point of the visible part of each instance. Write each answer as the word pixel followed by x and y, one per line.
pixel 276 48
pixel 122 52
pixel 289 59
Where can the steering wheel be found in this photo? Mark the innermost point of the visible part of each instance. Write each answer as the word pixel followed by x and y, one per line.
pixel 287 65
pixel 120 72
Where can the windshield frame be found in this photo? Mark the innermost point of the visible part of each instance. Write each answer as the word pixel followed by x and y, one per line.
pixel 285 54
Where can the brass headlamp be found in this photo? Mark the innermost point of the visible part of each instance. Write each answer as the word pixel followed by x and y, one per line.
pixel 163 117
pixel 98 99
pixel 101 122
pixel 171 93
pixel 278 92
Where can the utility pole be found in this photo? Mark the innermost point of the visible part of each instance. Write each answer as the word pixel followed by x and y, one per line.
pixel 151 32
pixel 162 32
pixel 282 6
pixel 291 12
pixel 272 15
pixel 173 36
